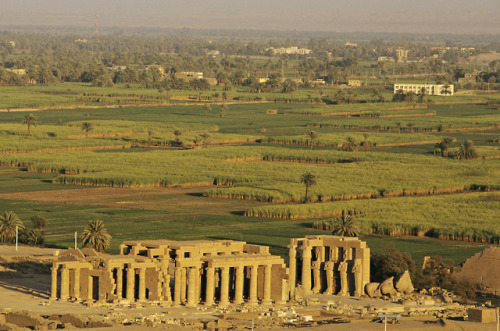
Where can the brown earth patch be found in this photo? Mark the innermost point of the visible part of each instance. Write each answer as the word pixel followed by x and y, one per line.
pixel 93 194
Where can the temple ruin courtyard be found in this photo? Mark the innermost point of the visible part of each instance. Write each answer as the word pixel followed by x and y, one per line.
pixel 212 285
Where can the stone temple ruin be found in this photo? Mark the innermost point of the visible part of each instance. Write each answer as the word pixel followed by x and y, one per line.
pixel 329 265
pixel 212 272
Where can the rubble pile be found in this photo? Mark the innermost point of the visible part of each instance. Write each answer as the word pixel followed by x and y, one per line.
pixel 391 286
pixel 23 319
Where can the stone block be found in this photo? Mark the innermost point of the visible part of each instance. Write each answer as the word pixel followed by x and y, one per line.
pixel 483 315
pixel 403 283
pixel 387 286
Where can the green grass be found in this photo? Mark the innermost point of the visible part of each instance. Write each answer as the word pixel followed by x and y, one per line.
pixel 165 219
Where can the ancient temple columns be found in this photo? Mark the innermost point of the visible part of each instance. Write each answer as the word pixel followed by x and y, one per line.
pixel 191 300
pixel 183 284
pixel 343 263
pixel 343 278
pixel 306 269
pixel 76 284
pixel 130 283
pixel 209 294
pixel 142 284
pixel 224 287
pixel 293 269
pixel 316 265
pixel 329 277
pixel 53 283
pixel 119 283
pixel 267 285
pixel 238 291
pixel 253 285
pixel 358 286
pixel 177 286
pixel 64 283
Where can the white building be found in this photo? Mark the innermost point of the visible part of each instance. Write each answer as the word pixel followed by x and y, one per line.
pixel 290 50
pixel 429 89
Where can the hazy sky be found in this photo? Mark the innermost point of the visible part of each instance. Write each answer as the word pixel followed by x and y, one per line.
pixel 427 16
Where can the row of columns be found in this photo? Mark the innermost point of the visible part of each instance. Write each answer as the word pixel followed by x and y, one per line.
pixel 118 285
pixel 314 269
pixel 65 284
pixel 193 285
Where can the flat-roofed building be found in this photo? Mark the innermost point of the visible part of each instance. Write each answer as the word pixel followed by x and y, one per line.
pixel 430 89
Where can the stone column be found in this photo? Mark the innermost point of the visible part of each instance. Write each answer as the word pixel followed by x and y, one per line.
pixel 358 282
pixel 316 265
pixel 130 284
pixel 224 287
pixel 198 283
pixel 183 284
pixel 177 286
pixel 306 269
pixel 210 287
pixel 292 253
pixel 191 287
pixel 329 277
pixel 167 296
pixel 142 284
pixel 253 285
pixel 76 289
pixel 119 283
pixel 238 291
pixel 90 289
pixel 267 285
pixel 343 279
pixel 53 282
pixel 64 283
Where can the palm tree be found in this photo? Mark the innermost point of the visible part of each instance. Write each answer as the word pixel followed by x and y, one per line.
pixel 398 124
pixel 177 133
pixel 34 237
pixel 422 95
pixel 467 151
pixel 351 97
pixel 410 125
pixel 339 97
pixel 312 135
pixel 446 89
pixel 29 120
pixel 308 179
pixel 38 222
pixel 96 236
pixel 443 146
pixel 87 127
pixel 346 227
pixel 150 134
pixel 205 138
pixel 206 108
pixel 350 145
pixel 223 110
pixel 8 223
pixel 365 144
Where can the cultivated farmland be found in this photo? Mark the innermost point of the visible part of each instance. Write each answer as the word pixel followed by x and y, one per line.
pixel 247 165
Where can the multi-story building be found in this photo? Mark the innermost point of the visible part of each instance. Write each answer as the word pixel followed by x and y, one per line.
pixel 290 50
pixel 189 75
pixel 430 89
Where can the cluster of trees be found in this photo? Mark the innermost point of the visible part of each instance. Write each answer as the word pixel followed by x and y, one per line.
pixel 94 236
pixel 435 273
pixel 123 58
pixel 32 235
pixel 466 151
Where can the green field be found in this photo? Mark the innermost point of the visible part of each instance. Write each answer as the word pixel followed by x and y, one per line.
pixel 161 185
